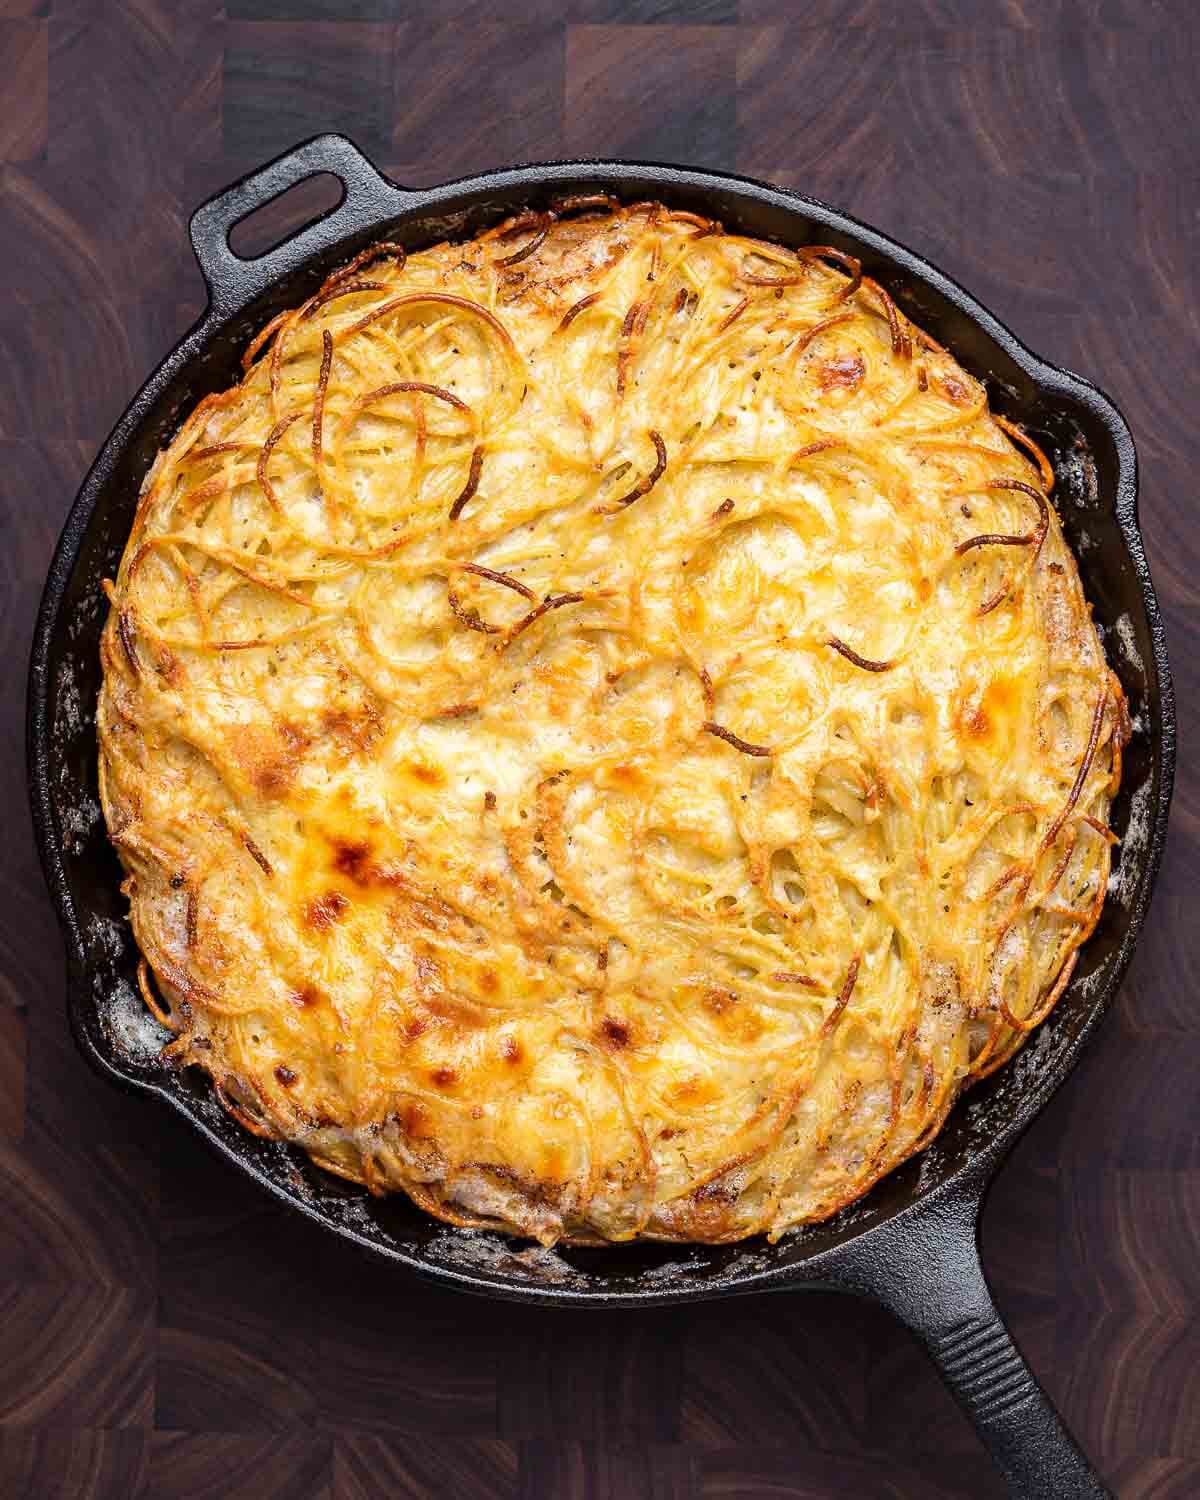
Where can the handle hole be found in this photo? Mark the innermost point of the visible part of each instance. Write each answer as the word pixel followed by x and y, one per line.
pixel 286 215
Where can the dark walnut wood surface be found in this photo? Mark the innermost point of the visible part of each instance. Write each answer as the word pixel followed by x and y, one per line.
pixel 165 1331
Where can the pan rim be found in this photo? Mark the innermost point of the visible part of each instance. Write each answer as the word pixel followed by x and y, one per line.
pixel 968 1181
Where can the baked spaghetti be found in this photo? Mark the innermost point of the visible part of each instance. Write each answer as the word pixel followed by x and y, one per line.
pixel 603 730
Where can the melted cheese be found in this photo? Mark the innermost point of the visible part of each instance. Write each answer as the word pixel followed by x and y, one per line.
pixel 604 732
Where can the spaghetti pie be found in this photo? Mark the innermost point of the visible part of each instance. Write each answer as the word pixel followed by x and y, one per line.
pixel 604 732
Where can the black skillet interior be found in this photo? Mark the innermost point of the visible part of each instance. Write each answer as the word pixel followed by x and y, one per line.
pixel 1096 497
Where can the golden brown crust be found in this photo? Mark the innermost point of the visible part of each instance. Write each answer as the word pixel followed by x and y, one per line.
pixel 603 730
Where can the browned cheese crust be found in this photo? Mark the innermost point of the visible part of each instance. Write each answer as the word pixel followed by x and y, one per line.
pixel 604 732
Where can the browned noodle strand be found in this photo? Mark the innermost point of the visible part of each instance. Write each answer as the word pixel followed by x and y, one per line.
pixel 733 315
pixel 319 401
pixel 468 490
pixel 1023 440
pixel 504 578
pixel 550 602
pixel 865 662
pixel 644 486
pixel 340 289
pixel 268 448
pixel 901 343
pixel 720 732
pixel 575 203
pixel 541 228
pixel 1085 766
pixel 848 263
pixel 575 309
pixel 384 250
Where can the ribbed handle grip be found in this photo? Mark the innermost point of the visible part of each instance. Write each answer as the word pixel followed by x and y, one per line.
pixel 925 1267
pixel 980 1362
pixel 1012 1413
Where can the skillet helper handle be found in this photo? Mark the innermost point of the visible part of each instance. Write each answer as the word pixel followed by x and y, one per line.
pixel 928 1272
pixel 233 282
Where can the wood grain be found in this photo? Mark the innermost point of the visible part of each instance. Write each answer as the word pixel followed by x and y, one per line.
pixel 500 99
pixel 221 1466
pixel 651 92
pixel 167 1332
pixel 24 64
pixel 79 1355
pixel 78 1464
pixel 369 1467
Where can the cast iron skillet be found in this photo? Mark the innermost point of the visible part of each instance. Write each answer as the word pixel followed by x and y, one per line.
pixel 911 1242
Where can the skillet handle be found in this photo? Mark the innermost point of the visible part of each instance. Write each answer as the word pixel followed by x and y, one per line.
pixel 233 282
pixel 927 1271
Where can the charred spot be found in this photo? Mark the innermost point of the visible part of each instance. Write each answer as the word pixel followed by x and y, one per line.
pixel 178 882
pixel 306 997
pixel 272 778
pixel 285 1075
pixel 954 390
pixel 510 1050
pixel 489 801
pixel 844 371
pixel 411 1118
pixel 326 910
pixel 414 1027
pixel 270 758
pixel 719 1001
pixel 999 699
pixel 615 1032
pixel 352 859
pixel 976 724
pixel 353 731
pixel 444 1078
